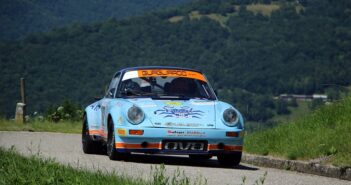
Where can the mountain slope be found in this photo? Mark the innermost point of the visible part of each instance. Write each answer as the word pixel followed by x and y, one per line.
pixel 246 55
pixel 21 17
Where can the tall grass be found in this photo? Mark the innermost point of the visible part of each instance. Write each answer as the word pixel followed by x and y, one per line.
pixel 16 169
pixel 42 126
pixel 326 133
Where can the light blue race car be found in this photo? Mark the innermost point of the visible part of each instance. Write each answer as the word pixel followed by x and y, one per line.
pixel 163 110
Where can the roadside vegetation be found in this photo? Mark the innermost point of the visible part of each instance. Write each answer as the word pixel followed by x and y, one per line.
pixel 41 126
pixel 323 135
pixel 16 169
pixel 65 118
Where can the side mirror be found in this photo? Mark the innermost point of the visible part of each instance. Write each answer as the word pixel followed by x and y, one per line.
pixel 110 93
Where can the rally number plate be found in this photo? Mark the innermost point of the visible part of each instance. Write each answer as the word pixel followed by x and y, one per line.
pixel 184 145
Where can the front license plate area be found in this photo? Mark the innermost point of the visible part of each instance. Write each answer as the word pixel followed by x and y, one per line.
pixel 184 145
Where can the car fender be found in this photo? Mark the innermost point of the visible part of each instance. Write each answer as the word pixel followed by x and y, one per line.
pixel 93 116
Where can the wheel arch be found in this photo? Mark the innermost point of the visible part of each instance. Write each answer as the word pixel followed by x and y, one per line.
pixel 93 118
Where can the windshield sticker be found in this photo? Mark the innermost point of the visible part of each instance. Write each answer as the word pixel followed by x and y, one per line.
pixel 163 72
pixel 172 73
pixel 182 112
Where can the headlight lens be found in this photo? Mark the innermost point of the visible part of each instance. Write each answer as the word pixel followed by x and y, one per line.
pixel 135 115
pixel 230 117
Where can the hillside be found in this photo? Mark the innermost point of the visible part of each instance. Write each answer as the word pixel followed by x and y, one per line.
pixel 250 52
pixel 323 135
pixel 18 18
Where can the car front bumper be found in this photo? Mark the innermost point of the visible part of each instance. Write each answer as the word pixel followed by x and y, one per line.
pixel 152 140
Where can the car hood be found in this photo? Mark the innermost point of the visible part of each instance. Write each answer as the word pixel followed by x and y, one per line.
pixel 191 113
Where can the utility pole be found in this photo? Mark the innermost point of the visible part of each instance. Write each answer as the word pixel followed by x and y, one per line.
pixel 21 106
pixel 23 91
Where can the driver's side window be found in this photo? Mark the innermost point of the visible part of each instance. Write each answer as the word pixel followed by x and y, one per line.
pixel 113 86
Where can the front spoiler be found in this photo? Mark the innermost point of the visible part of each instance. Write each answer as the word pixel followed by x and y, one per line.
pixel 156 148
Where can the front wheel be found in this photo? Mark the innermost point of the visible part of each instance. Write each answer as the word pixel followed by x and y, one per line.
pixel 229 159
pixel 112 153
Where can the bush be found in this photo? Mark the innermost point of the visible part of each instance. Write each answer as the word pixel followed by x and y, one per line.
pixel 67 111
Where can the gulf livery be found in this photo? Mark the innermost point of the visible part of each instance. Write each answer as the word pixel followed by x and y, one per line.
pixel 163 110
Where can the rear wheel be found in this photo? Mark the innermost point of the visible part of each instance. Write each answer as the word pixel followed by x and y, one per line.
pixel 89 145
pixel 112 153
pixel 229 159
pixel 200 156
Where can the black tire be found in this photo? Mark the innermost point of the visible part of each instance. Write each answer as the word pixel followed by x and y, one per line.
pixel 89 146
pixel 200 156
pixel 112 153
pixel 229 159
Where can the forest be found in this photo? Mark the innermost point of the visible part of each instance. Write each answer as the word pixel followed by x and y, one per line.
pixel 251 51
pixel 18 18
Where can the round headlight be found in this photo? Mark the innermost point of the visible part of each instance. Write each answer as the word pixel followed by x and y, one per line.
pixel 135 115
pixel 230 117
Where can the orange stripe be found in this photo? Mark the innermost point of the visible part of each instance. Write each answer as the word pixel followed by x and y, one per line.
pixel 97 132
pixel 226 147
pixel 138 146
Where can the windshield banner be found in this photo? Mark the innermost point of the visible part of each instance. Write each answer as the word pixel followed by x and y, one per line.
pixel 164 72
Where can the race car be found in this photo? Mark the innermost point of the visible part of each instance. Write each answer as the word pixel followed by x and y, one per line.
pixel 163 110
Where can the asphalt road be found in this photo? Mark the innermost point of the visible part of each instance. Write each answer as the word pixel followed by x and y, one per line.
pixel 66 149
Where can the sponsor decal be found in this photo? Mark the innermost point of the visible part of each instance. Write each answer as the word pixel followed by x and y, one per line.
pixel 186 133
pixel 120 120
pixel 182 112
pixel 95 107
pixel 173 103
pixel 171 124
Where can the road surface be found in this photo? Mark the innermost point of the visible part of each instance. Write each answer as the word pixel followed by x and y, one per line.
pixel 66 149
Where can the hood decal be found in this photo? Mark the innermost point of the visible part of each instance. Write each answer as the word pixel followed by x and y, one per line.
pixel 182 112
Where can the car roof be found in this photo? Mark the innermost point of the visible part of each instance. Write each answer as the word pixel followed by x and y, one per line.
pixel 157 67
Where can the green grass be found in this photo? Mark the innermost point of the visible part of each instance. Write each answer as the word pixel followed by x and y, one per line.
pixel 295 113
pixel 41 126
pixel 323 134
pixel 16 169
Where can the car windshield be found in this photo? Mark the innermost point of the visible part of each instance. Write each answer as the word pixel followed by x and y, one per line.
pixel 165 87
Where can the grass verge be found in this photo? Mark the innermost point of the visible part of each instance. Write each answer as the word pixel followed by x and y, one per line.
pixel 323 135
pixel 41 126
pixel 16 169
